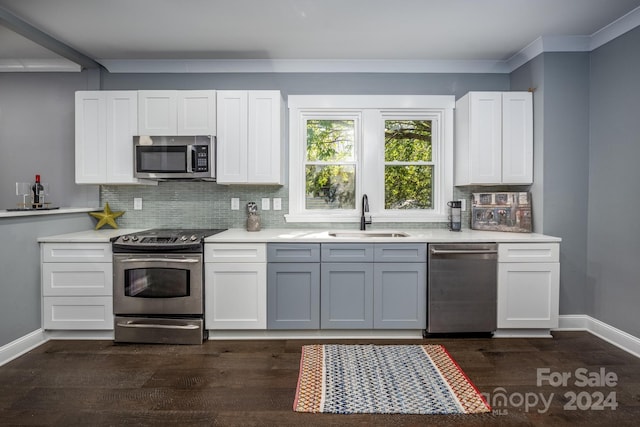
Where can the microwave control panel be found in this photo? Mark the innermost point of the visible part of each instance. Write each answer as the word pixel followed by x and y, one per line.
pixel 201 158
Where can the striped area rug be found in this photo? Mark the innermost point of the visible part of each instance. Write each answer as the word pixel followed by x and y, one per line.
pixel 385 379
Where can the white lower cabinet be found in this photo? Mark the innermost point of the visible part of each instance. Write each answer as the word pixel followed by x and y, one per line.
pixel 77 286
pixel 235 286
pixel 528 285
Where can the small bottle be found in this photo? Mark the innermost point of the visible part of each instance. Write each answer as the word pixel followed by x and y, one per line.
pixel 37 191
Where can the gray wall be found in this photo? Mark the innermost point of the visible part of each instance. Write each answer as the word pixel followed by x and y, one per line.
pixel 560 192
pixel 531 76
pixel 310 83
pixel 20 307
pixel 613 248
pixel 37 136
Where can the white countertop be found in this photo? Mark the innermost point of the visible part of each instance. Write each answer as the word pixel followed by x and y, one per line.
pixel 60 211
pixel 89 236
pixel 284 235
pixel 239 235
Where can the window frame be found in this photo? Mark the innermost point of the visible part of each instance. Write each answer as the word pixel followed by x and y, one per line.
pixel 372 111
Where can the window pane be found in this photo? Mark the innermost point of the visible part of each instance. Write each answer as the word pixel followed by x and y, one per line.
pixel 330 187
pixel 408 187
pixel 330 140
pixel 407 140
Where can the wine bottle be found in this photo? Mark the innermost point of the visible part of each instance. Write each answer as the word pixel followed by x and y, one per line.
pixel 37 189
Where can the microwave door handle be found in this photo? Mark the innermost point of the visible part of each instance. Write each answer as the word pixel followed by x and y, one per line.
pixel 190 158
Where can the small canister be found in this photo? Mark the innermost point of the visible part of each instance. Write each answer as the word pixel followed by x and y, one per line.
pixel 253 219
pixel 455 219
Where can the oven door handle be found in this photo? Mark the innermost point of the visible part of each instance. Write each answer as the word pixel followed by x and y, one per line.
pixel 156 326
pixel 184 261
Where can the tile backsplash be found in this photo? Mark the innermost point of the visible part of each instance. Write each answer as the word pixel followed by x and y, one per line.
pixel 192 204
pixel 208 205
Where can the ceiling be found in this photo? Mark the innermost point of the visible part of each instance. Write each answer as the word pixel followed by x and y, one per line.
pixel 117 32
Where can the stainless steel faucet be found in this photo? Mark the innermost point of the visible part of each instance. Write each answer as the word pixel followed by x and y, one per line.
pixel 365 208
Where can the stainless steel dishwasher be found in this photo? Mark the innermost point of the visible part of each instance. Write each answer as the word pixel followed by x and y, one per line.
pixel 462 288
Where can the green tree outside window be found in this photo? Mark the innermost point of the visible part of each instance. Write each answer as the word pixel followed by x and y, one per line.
pixel 408 172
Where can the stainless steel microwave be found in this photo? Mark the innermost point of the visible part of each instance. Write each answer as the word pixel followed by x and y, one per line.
pixel 175 157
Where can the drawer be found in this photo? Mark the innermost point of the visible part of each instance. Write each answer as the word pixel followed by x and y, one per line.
pixel 77 279
pixel 347 252
pixel 235 252
pixel 78 313
pixel 293 252
pixel 400 252
pixel 76 252
pixel 528 252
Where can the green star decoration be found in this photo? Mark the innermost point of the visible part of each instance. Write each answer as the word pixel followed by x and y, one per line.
pixel 106 217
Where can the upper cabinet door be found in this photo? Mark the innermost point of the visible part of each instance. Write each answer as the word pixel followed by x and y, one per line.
pixel 196 112
pixel 494 138
pixel 158 112
pixel 173 112
pixel 91 137
pixel 232 137
pixel 485 126
pixel 249 137
pixel 517 138
pixel 106 122
pixel 122 125
pixel 264 147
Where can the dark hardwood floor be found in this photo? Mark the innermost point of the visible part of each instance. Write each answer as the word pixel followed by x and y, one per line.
pixel 243 383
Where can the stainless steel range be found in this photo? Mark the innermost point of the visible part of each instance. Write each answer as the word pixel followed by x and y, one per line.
pixel 158 286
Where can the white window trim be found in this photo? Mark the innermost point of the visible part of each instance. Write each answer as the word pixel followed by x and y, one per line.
pixel 370 177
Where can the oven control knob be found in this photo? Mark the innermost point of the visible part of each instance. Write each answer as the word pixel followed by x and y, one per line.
pixel 125 238
pixel 183 238
pixel 193 238
pixel 134 238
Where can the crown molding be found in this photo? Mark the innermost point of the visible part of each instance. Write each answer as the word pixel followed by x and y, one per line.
pixel 38 65
pixel 617 28
pixel 549 44
pixel 544 44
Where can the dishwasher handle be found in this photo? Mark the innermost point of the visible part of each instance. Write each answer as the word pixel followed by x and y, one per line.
pixel 463 251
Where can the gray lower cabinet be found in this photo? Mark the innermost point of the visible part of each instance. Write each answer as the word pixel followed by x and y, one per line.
pixel 400 295
pixel 346 286
pixel 293 288
pixel 346 291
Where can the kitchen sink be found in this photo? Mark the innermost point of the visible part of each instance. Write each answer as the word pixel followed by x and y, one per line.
pixel 366 234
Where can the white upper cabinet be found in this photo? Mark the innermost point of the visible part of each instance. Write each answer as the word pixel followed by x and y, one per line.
pixel 249 141
pixel 106 122
pixel 172 112
pixel 494 138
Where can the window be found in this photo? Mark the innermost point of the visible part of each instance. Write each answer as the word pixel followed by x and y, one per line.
pixel 396 149
pixel 408 165
pixel 330 166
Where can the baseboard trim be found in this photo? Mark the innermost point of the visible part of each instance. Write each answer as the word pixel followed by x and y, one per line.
pixel 314 334
pixel 21 346
pixel 615 336
pixel 79 335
